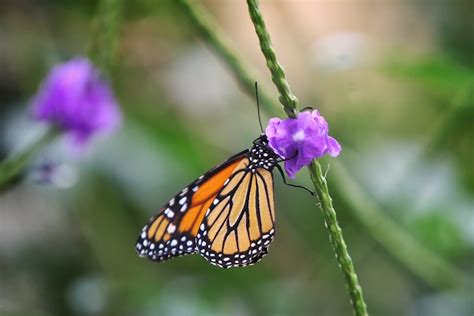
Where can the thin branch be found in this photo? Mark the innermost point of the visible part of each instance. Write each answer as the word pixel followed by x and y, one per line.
pixel 208 30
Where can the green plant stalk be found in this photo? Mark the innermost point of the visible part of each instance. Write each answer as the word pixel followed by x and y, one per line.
pixel 287 99
pixel 206 27
pixel 337 239
pixel 105 46
pixel 12 167
pixel 345 183
pixel 290 104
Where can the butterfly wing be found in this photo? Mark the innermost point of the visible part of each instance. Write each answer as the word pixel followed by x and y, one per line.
pixel 172 232
pixel 239 225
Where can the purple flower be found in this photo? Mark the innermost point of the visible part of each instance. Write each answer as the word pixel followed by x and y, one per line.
pixel 75 99
pixel 301 140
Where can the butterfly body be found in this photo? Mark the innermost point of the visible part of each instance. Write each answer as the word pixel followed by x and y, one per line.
pixel 227 215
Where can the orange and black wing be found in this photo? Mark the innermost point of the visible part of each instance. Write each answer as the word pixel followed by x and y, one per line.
pixel 239 225
pixel 172 232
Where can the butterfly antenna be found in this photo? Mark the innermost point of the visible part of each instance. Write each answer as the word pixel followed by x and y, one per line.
pixel 258 106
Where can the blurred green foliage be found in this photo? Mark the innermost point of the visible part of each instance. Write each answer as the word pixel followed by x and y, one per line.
pixel 403 114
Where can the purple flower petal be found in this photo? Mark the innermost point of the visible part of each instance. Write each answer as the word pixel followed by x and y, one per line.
pixel 77 100
pixel 334 147
pixel 301 140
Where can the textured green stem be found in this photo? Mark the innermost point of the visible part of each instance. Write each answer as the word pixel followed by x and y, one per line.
pixel 287 99
pixel 337 239
pixel 12 167
pixel 290 104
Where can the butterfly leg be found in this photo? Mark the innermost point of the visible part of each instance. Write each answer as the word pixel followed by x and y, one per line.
pixel 292 185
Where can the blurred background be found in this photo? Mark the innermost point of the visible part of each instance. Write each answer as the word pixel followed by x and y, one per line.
pixel 394 79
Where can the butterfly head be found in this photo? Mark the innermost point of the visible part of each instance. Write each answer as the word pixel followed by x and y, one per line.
pixel 261 155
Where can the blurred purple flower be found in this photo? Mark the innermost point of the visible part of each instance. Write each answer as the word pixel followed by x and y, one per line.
pixel 77 100
pixel 301 140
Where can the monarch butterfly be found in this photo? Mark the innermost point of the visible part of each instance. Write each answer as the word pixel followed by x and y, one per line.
pixel 227 215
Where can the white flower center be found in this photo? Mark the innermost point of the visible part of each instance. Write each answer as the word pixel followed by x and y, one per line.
pixel 298 136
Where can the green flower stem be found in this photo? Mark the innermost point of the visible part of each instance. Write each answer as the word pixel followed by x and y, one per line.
pixel 290 104
pixel 208 30
pixel 337 239
pixel 105 46
pixel 287 99
pixel 345 182
pixel 12 167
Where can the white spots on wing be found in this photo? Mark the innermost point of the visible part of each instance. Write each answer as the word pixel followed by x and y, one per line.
pixel 261 157
pixel 258 249
pixel 169 213
pixel 182 243
pixel 171 228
